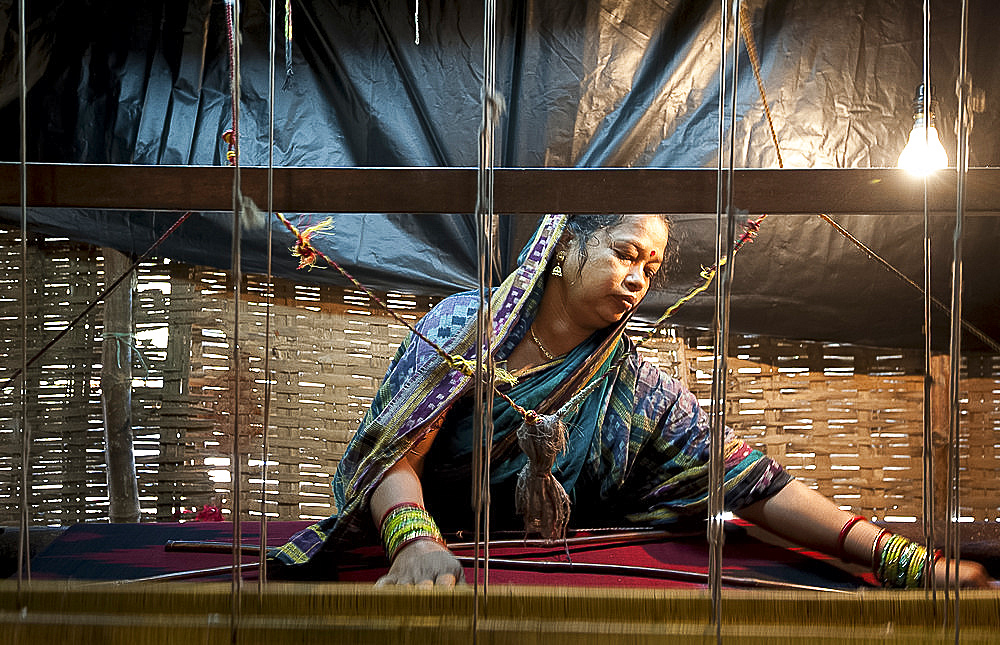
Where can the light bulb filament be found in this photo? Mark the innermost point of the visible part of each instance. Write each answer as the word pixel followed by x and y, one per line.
pixel 923 152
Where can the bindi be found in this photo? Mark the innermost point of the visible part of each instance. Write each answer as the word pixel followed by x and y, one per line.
pixel 652 253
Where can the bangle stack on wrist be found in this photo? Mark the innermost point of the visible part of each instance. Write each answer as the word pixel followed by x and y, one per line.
pixel 901 563
pixel 405 523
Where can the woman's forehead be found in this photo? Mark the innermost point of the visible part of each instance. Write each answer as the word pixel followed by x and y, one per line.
pixel 648 230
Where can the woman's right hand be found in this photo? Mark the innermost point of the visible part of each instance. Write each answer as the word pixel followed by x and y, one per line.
pixel 424 563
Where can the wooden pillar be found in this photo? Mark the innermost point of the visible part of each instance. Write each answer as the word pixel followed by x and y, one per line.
pixel 940 421
pixel 116 391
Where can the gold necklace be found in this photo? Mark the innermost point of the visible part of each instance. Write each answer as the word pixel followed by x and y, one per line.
pixel 546 353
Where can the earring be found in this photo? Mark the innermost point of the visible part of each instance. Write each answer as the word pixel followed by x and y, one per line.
pixel 557 268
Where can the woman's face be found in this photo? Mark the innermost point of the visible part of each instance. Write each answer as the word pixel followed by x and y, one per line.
pixel 621 262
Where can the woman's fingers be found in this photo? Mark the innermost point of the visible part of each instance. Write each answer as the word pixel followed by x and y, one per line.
pixel 424 564
pixel 445 580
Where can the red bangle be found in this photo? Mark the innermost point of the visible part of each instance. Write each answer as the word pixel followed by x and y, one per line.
pixel 843 533
pixel 878 537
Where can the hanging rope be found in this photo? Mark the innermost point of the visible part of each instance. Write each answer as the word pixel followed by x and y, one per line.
pixel 233 24
pixel 972 329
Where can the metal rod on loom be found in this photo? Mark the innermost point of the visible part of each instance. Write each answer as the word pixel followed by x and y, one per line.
pixel 720 322
pixel 543 566
pixel 962 90
pixel 629 537
pixel 24 545
pixel 927 452
pixel 232 6
pixel 264 450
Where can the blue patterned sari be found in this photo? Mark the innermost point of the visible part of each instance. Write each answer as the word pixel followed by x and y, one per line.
pixel 637 447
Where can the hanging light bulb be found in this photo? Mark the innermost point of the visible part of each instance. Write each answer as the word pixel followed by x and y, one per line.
pixel 923 152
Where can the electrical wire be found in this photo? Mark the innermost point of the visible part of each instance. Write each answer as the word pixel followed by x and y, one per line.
pixel 927 451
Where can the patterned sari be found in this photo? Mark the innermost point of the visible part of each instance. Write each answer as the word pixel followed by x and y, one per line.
pixel 637 446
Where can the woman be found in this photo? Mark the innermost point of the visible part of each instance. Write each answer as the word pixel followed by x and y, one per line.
pixel 636 448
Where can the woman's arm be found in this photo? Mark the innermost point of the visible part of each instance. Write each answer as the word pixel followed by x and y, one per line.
pixel 802 515
pixel 423 562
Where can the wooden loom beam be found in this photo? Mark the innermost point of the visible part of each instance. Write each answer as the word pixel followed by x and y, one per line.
pixel 516 190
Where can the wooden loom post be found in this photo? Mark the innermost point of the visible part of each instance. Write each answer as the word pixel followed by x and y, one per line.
pixel 116 392
pixel 940 415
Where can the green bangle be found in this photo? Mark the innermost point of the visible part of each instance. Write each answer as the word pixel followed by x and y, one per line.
pixel 406 523
pixel 902 567
pixel 889 559
pixel 915 575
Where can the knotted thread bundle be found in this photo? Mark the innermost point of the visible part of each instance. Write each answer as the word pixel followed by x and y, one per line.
pixel 539 496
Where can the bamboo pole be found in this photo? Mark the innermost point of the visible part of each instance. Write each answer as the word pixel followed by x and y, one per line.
pixel 116 392
pixel 940 414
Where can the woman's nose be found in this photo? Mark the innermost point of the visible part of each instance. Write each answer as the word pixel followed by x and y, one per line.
pixel 635 280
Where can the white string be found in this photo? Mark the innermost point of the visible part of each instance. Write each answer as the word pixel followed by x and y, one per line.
pixel 416 22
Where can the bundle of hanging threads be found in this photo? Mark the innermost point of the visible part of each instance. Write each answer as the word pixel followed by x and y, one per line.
pixel 539 497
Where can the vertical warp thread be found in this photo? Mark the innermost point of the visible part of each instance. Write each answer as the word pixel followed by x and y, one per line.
pixel 952 546
pixel 483 423
pixel 24 546
pixel 927 452
pixel 233 24
pixel 265 447
pixel 720 322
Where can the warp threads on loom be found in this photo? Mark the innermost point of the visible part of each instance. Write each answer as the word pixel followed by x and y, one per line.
pixel 539 496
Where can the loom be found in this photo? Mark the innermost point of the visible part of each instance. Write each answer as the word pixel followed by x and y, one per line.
pixel 214 387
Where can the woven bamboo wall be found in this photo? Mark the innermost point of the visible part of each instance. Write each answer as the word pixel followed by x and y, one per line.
pixel 849 420
pixel 844 419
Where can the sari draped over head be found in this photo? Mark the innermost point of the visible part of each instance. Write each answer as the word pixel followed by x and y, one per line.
pixel 637 443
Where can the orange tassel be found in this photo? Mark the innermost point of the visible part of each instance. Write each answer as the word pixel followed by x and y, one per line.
pixel 303 249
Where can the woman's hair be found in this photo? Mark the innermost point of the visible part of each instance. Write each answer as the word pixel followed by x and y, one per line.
pixel 584 228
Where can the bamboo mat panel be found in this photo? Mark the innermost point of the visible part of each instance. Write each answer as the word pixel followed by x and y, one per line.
pixel 844 419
